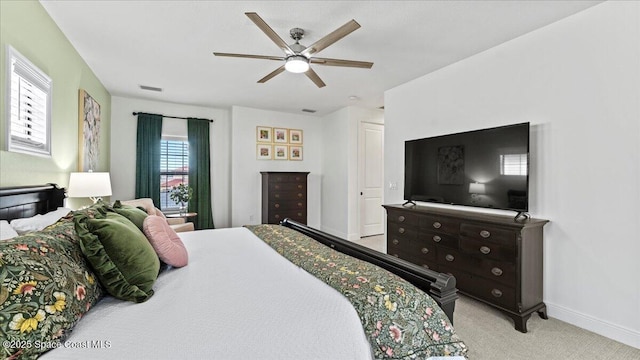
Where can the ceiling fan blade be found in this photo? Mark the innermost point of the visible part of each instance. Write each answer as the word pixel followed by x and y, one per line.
pixel 315 78
pixel 265 57
pixel 340 62
pixel 270 33
pixel 336 35
pixel 272 75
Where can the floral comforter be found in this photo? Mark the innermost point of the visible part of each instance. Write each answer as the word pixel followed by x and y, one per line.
pixel 400 320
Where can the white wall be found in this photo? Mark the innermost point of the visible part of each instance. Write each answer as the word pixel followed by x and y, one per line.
pixel 123 147
pixel 340 188
pixel 246 180
pixel 578 82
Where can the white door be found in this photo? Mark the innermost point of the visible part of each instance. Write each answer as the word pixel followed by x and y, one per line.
pixel 371 179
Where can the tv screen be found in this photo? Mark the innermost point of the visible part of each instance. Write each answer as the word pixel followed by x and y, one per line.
pixel 486 168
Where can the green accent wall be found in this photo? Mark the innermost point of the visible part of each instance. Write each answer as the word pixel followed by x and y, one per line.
pixel 28 28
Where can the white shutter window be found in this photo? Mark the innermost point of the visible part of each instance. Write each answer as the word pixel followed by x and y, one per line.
pixel 513 164
pixel 29 106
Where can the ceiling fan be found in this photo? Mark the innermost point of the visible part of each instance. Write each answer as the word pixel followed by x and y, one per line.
pixel 298 57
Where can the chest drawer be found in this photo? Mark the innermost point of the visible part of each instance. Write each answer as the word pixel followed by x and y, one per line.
pixel 440 224
pixel 292 187
pixel 287 195
pixel 488 233
pixel 485 249
pixel 287 205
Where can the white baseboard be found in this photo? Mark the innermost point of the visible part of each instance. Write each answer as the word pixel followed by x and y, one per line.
pixel 612 331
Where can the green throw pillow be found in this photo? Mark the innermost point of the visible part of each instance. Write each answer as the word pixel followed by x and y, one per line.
pixel 134 214
pixel 120 254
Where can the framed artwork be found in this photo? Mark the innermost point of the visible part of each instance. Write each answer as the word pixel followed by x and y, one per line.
pixel 295 136
pixel 280 152
pixel 88 132
pixel 263 152
pixel 295 152
pixel 280 135
pixel 263 134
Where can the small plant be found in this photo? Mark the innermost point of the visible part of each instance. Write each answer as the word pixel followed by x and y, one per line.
pixel 181 194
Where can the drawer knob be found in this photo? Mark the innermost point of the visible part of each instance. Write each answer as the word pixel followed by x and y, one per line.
pixel 437 225
pixel 496 271
pixel 395 242
pixel 299 186
pixel 277 216
pixel 485 250
pixel 437 238
pixel 449 257
pixel 277 196
pixel 396 255
pixel 299 195
pixel 277 186
pixel 425 250
pixel 496 293
pixel 300 204
pixel 401 230
pixel 425 266
pixel 276 206
pixel 485 234
pixel 401 218
pixel 299 214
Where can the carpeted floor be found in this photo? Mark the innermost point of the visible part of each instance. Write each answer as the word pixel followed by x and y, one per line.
pixel 490 335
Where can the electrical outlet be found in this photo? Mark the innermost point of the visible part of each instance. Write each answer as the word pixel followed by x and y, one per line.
pixel 393 185
pixel 251 218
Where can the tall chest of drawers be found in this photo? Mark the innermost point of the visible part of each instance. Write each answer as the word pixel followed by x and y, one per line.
pixel 284 195
pixel 495 259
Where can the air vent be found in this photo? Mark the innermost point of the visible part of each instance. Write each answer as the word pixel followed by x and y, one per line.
pixel 309 110
pixel 150 88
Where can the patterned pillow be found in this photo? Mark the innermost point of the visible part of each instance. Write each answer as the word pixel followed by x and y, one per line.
pixel 45 288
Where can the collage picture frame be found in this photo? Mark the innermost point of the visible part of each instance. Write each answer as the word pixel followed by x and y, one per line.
pixel 277 143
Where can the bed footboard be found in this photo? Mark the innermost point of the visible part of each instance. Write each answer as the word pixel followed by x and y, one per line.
pixel 441 287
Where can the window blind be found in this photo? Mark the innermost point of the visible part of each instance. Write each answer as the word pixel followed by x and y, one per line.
pixel 513 164
pixel 29 108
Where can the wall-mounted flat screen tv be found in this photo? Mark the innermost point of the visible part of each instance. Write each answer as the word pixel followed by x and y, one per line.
pixel 486 168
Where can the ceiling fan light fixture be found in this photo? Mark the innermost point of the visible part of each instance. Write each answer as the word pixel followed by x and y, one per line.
pixel 297 64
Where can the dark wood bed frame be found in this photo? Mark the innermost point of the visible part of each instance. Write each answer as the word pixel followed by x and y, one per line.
pixel 27 201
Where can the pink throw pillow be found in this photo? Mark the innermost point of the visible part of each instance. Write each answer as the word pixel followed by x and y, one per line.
pixel 165 241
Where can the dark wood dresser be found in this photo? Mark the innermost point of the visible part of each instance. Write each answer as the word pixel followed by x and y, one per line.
pixel 493 258
pixel 284 195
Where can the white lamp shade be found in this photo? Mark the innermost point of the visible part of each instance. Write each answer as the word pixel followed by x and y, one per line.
pixel 89 184
pixel 476 188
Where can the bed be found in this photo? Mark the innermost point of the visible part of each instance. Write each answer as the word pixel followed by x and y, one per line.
pixel 256 292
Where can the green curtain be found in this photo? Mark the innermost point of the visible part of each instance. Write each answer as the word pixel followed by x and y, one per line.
pixel 148 157
pixel 199 172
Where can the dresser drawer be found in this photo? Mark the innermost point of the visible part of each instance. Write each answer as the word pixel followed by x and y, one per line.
pixel 502 272
pixel 454 259
pixel 440 224
pixel 403 218
pixel 487 250
pixel 403 231
pixel 281 178
pixel 438 238
pixel 488 233
pixel 412 250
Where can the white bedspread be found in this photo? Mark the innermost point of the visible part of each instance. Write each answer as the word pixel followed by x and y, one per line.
pixel 237 299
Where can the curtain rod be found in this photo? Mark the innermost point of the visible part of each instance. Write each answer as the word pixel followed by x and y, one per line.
pixel 172 117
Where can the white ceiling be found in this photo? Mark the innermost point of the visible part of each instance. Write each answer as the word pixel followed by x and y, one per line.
pixel 169 44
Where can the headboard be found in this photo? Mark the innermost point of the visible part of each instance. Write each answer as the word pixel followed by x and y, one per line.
pixel 26 201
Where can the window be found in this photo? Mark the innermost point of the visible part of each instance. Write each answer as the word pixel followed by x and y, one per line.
pixel 174 169
pixel 513 164
pixel 29 110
